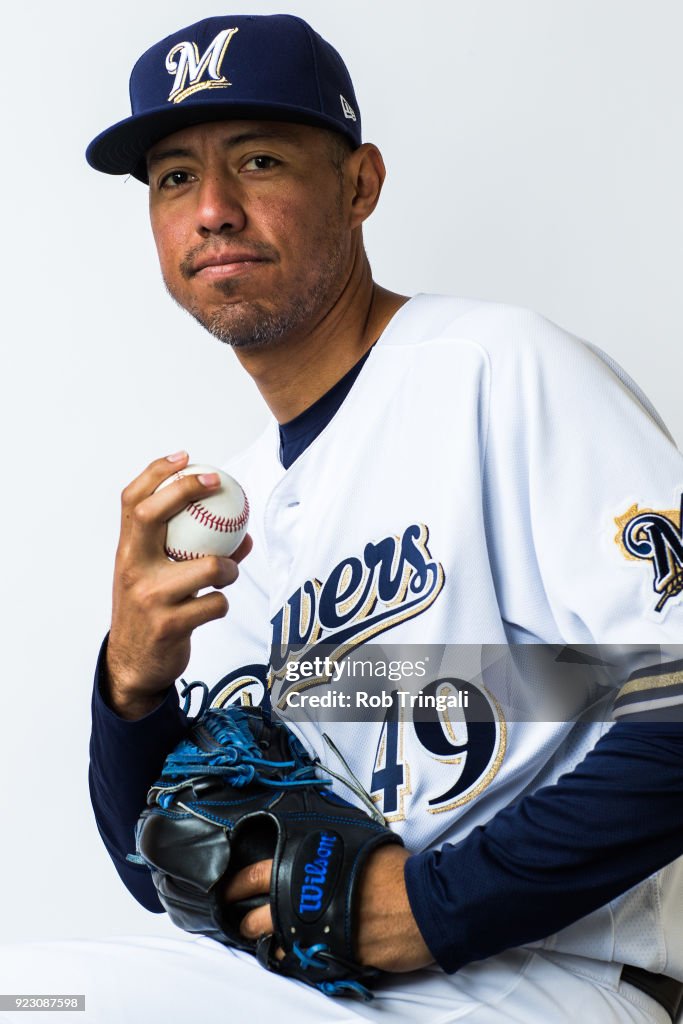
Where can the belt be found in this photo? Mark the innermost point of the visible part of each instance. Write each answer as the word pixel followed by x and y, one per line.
pixel 666 991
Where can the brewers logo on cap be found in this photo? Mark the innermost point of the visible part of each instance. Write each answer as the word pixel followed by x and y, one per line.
pixel 184 62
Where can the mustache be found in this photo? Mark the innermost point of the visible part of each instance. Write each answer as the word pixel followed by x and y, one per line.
pixel 261 250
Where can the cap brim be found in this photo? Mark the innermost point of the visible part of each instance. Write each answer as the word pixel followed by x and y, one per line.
pixel 122 148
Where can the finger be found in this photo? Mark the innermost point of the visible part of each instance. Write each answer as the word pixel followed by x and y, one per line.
pixel 249 881
pixel 198 611
pixel 256 923
pixel 243 550
pixel 182 580
pixel 147 520
pixel 176 623
pixel 150 478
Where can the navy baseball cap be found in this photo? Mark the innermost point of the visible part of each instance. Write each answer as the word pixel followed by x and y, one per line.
pixel 272 67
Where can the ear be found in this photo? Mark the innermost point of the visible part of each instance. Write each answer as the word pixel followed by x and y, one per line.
pixel 365 172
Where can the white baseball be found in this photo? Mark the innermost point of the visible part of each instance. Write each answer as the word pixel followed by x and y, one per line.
pixel 212 525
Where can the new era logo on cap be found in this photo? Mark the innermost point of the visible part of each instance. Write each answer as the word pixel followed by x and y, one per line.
pixel 349 112
pixel 265 67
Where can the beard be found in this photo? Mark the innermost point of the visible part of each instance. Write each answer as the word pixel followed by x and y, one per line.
pixel 252 324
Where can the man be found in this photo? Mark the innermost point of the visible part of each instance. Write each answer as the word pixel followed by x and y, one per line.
pixel 420 483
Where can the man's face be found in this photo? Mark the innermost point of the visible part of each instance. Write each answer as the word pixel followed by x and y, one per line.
pixel 250 226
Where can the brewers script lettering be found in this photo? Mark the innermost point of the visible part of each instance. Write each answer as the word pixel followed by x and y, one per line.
pixel 396 580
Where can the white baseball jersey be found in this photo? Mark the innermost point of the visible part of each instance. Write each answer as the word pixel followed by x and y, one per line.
pixel 489 479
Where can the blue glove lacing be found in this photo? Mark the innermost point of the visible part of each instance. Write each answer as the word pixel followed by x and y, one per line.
pixel 307 958
pixel 222 745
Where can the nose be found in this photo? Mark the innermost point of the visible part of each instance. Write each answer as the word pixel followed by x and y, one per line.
pixel 219 210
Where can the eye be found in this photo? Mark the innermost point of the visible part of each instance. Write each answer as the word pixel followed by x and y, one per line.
pixel 260 163
pixel 174 179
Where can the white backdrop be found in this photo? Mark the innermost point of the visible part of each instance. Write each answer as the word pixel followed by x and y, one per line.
pixel 535 156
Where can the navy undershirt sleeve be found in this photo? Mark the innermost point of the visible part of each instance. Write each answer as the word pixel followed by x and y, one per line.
pixel 557 854
pixel 125 759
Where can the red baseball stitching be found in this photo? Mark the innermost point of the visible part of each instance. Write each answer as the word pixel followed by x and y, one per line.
pixel 182 556
pixel 224 524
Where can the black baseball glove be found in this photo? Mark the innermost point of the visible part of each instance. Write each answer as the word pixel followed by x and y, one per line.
pixel 241 788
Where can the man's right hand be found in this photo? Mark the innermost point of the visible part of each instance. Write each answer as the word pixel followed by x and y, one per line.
pixel 155 607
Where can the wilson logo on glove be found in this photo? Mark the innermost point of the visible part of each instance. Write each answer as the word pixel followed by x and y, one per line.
pixel 326 849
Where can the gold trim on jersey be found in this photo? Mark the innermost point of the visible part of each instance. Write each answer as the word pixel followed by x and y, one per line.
pixel 247 699
pixel 651 683
pixel 486 780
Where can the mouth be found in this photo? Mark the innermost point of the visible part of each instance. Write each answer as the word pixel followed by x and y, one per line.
pixel 217 266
